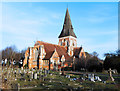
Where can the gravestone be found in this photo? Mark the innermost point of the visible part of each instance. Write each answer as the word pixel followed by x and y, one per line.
pixel 15 73
pixel 39 77
pixel 47 71
pixel 110 74
pixel 67 76
pixel 32 75
pixel 18 71
pixel 38 72
pixel 40 69
pixel 24 71
pixel 97 78
pixel 89 76
pixel 5 61
pixel 60 71
pixel 92 78
pixel 21 68
pixel 35 75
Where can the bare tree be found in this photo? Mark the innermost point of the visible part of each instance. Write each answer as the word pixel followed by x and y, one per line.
pixel 9 52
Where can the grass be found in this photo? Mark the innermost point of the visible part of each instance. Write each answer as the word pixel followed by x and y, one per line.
pixel 57 81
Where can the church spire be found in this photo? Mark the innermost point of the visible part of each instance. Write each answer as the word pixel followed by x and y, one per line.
pixel 67 27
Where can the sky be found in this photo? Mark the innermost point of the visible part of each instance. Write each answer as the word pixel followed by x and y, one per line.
pixel 95 24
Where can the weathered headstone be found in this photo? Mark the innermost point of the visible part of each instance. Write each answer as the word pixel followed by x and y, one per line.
pixel 21 68
pixel 92 78
pixel 38 72
pixel 32 75
pixel 110 73
pixel 89 76
pixel 35 75
pixel 97 78
pixel 15 73
pixel 60 71
pixel 47 71
pixel 41 69
pixel 67 76
pixel 24 71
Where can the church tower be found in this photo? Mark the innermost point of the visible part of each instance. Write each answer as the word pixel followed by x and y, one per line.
pixel 67 37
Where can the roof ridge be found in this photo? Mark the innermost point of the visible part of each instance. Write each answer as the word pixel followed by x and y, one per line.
pixel 50 43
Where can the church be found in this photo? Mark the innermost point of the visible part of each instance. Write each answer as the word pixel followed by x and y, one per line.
pixel 55 56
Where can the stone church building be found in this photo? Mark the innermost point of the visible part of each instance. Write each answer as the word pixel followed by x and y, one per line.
pixel 53 56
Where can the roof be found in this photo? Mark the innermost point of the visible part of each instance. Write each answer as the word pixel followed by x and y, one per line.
pixel 48 55
pixel 76 51
pixel 67 27
pixel 50 48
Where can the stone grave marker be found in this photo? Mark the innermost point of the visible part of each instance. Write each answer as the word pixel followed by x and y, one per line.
pixel 18 71
pixel 21 68
pixel 41 69
pixel 47 71
pixel 24 71
pixel 32 75
pixel 35 75
pixel 110 74
pixel 15 73
pixel 68 76
pixel 89 76
pixel 92 78
pixel 97 78
pixel 60 72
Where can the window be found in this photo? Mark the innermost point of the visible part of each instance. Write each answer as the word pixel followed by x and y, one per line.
pixel 67 43
pixel 61 43
pixel 30 51
pixel 73 44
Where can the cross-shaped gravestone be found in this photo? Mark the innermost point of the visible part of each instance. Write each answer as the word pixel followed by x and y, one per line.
pixel 110 73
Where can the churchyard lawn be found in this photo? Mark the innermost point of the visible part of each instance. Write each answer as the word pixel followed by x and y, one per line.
pixel 28 79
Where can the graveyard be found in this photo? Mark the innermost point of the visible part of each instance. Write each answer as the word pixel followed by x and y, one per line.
pixel 36 79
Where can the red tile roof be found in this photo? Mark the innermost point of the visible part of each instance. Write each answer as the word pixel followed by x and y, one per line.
pixel 48 55
pixel 50 48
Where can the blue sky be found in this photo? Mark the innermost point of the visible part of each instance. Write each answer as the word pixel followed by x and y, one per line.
pixel 94 23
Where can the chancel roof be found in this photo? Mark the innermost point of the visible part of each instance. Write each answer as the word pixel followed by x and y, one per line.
pixel 50 48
